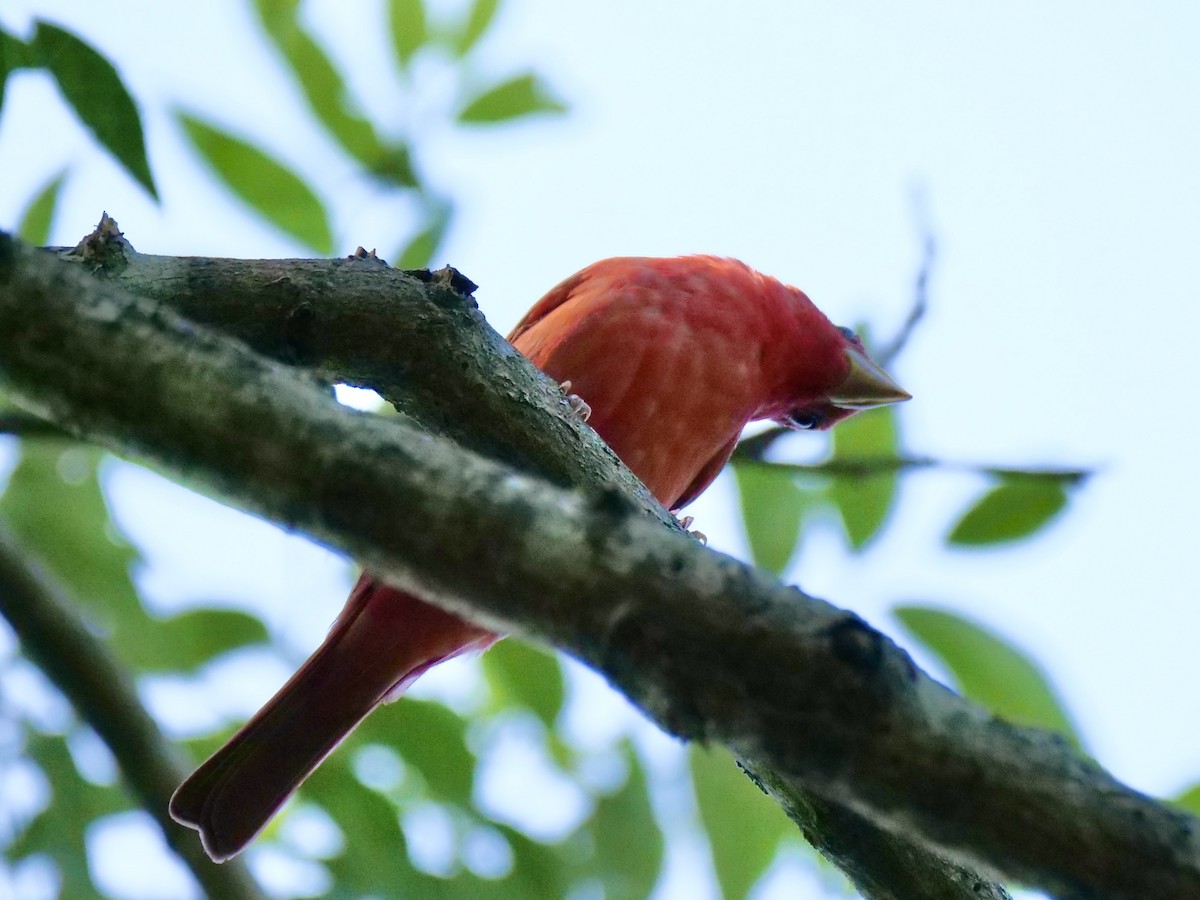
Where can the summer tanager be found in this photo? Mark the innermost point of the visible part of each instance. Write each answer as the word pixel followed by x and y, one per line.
pixel 674 357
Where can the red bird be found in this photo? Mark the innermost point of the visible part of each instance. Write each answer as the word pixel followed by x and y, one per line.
pixel 674 357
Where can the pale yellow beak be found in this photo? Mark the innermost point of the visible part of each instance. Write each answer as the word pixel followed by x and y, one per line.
pixel 866 386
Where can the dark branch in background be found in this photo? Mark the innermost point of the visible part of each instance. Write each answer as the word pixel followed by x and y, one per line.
pixel 20 424
pixel 814 702
pixel 51 634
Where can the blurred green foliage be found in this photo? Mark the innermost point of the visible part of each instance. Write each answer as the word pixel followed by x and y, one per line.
pixel 989 670
pixel 383 153
pixel 35 224
pixel 863 502
pixel 279 195
pixel 744 827
pixel 521 95
pixel 1189 800
pixel 91 85
pixel 774 505
pixel 1013 509
pixel 858 490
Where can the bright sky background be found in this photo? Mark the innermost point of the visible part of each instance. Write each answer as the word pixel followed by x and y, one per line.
pixel 1055 146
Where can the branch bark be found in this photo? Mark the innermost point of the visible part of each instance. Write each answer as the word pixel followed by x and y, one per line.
pixel 813 700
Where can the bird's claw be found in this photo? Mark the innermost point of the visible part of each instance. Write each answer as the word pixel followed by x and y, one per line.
pixel 686 524
pixel 578 405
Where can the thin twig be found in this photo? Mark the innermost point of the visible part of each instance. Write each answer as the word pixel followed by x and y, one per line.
pixel 874 465
pixel 887 354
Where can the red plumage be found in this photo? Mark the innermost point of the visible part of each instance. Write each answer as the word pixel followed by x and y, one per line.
pixel 674 357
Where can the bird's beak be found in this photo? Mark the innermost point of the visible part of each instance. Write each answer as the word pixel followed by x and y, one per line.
pixel 866 386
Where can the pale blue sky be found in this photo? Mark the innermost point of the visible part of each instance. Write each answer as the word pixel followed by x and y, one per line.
pixel 1056 147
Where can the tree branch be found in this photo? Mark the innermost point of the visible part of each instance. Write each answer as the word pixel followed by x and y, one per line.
pixel 51 634
pixel 710 648
pixel 879 864
pixel 421 342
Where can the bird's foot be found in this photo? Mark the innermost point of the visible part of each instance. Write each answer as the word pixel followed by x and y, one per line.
pixel 686 524
pixel 578 405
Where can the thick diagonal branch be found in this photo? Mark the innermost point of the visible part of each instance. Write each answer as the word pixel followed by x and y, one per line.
pixel 425 347
pixel 711 649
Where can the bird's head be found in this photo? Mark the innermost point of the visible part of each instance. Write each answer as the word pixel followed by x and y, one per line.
pixel 860 384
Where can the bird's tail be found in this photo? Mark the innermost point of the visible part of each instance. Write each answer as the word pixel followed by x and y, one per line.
pixel 382 641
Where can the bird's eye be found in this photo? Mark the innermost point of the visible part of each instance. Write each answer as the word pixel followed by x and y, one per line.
pixel 805 420
pixel 848 333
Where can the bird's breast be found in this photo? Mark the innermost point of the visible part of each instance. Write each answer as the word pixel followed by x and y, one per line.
pixel 668 386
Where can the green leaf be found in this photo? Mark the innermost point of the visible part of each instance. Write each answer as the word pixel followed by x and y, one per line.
pixel 75 804
pixel 773 508
pixel 864 501
pixel 39 215
pixel 373 859
pixel 14 54
pixel 1014 509
pixel 521 674
pixel 628 843
pixel 538 870
pixel 395 166
pixel 278 194
pixel 1189 800
pixel 989 670
pixel 744 827
pixel 92 86
pixel 329 97
pixel 56 508
pixel 407 21
pixel 521 95
pixel 479 19
pixel 188 640
pixel 420 250
pixel 431 739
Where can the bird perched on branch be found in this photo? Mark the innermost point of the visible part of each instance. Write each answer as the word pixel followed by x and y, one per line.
pixel 673 357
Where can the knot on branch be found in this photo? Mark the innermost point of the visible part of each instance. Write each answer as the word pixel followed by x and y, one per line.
pixel 300 334
pixel 461 287
pixel 106 249
pixel 370 259
pixel 611 502
pixel 857 644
